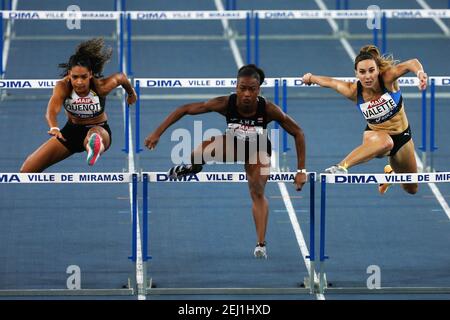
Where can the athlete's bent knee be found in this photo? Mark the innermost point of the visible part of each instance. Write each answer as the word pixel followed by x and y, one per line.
pixel 411 188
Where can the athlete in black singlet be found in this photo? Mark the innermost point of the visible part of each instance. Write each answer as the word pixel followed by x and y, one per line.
pixel 245 140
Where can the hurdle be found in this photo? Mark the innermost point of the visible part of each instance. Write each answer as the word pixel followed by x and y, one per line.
pixel 440 177
pixel 80 178
pixel 310 282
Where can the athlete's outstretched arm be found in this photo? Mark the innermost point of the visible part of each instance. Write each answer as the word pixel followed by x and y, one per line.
pixel 403 68
pixel 106 85
pixel 347 89
pixel 218 104
pixel 60 92
pixel 275 113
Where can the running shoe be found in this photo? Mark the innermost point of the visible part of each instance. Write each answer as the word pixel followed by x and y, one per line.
pixel 183 170
pixel 337 169
pixel 94 147
pixel 260 251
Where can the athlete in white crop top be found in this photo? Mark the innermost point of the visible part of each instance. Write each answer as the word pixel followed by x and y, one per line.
pixel 82 92
pixel 378 97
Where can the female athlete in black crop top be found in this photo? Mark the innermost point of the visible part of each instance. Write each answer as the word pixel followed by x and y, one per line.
pixel 245 140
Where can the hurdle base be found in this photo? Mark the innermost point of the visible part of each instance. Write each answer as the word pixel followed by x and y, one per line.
pixel 388 290
pixel 67 292
pixel 226 291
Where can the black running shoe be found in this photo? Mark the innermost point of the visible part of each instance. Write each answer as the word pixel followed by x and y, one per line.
pixel 183 170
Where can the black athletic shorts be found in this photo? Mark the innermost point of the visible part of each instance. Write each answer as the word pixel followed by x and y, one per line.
pixel 399 139
pixel 75 135
pixel 267 148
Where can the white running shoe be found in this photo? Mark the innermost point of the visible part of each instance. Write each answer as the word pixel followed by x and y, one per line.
pixel 260 251
pixel 94 147
pixel 336 170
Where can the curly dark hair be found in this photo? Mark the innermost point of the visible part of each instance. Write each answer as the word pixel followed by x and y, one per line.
pixel 91 54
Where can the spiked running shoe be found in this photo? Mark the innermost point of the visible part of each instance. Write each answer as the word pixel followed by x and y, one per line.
pixel 94 147
pixel 382 188
pixel 183 170
pixel 336 170
pixel 260 251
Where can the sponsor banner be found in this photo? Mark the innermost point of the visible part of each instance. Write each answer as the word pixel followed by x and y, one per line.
pixel 352 14
pixel 28 83
pixel 204 82
pixel 397 178
pixel 403 82
pixel 216 15
pixel 65 177
pixel 219 177
pixel 60 15
pixel 195 82
pixel 440 81
pixel 188 15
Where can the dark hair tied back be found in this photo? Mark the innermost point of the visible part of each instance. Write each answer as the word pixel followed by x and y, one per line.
pixel 251 70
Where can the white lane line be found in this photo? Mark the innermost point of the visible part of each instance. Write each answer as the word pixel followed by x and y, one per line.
pixel 335 28
pixel 438 21
pixel 233 45
pixel 283 190
pixel 437 193
pixel 7 43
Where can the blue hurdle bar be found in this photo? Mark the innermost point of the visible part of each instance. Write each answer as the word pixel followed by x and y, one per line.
pixel 323 257
pixel 230 5
pixel 338 5
pixel 312 252
pixel 129 70
pixel 248 26
pixel 121 53
pixel 256 61
pixel 126 126
pixel 145 255
pixel 134 222
pixel 383 33
pixel 1 44
pixel 276 99
pixel 284 107
pixel 432 116
pixel 138 117
pixel 323 191
pixel 5 6
pixel 375 36
pixel 423 147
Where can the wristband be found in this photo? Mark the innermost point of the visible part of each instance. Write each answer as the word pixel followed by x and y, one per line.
pixel 301 170
pixel 418 72
pixel 54 128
